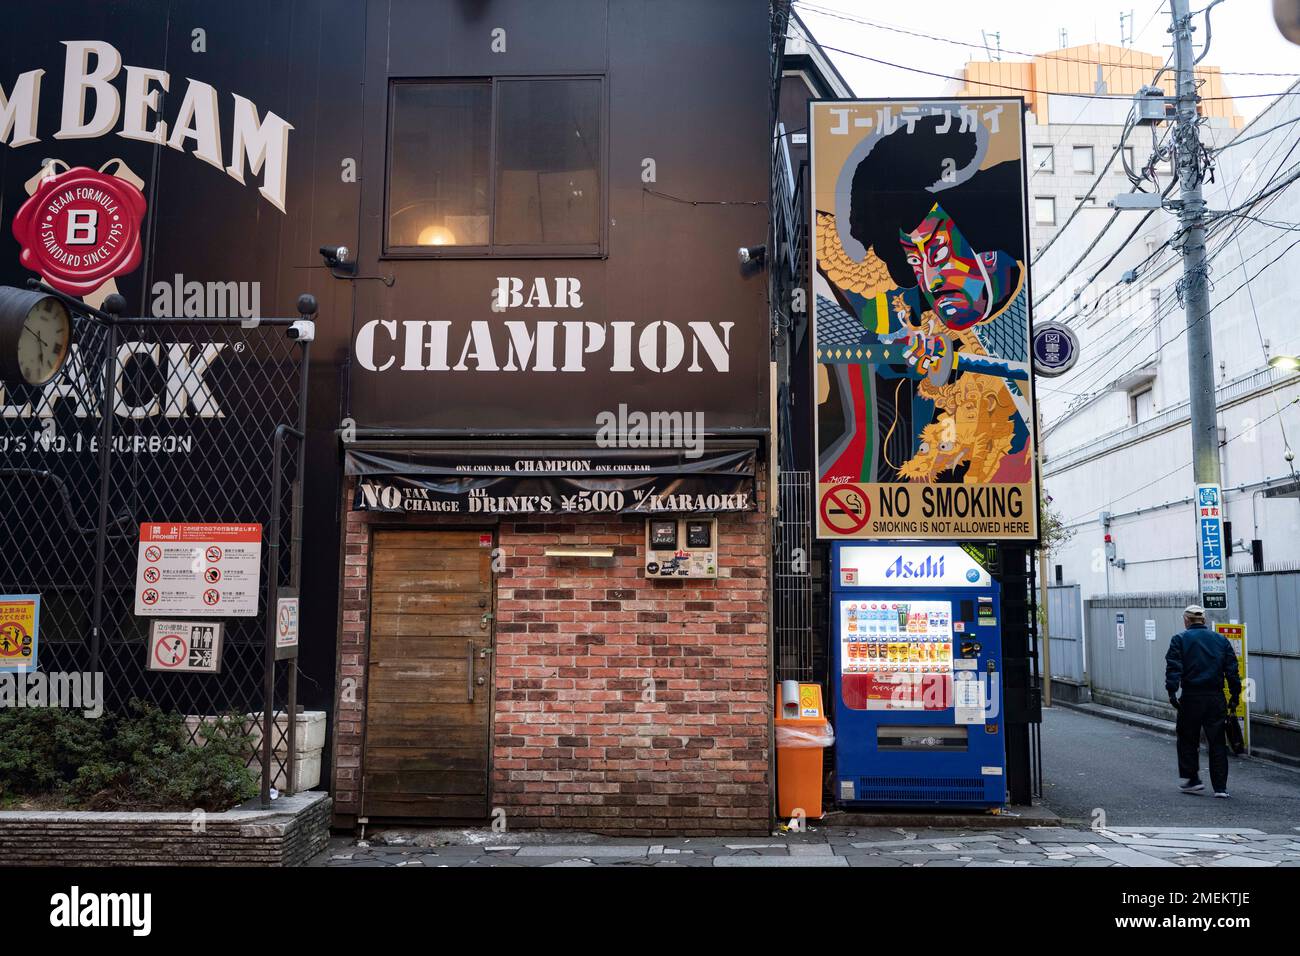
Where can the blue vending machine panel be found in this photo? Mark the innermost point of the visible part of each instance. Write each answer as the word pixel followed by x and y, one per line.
pixel 916 677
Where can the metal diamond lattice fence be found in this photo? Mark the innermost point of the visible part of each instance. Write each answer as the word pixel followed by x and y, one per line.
pixel 196 406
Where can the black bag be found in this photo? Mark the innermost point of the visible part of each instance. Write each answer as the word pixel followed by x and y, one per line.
pixel 1232 730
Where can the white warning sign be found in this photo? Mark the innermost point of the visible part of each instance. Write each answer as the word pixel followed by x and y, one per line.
pixel 185 647
pixel 198 570
pixel 286 627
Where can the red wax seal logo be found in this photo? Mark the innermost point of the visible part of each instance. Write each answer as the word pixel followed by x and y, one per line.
pixel 80 229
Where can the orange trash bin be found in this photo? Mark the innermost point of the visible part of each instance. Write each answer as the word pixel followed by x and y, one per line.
pixel 800 741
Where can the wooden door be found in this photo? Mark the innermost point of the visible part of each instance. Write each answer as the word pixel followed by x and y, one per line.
pixel 429 681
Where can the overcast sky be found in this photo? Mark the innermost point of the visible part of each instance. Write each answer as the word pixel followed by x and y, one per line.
pixel 1244 38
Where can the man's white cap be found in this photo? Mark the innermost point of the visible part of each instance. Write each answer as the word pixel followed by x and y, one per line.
pixel 1194 610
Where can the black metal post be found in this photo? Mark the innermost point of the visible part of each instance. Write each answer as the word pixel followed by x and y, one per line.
pixel 295 561
pixel 106 412
pixel 272 599
pixel 306 306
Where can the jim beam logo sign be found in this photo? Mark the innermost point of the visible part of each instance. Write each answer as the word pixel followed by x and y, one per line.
pixel 80 227
pixel 924 391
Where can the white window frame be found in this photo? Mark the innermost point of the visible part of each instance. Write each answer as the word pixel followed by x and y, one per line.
pixel 1075 151
pixel 1038 220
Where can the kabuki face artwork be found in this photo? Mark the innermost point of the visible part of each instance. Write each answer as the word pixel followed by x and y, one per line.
pixel 956 279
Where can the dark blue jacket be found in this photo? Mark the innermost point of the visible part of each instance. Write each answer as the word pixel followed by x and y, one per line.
pixel 1200 660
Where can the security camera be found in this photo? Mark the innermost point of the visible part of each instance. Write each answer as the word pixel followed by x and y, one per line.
pixel 304 330
pixel 335 256
pixel 754 254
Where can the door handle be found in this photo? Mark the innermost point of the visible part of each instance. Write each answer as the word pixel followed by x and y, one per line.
pixel 469 672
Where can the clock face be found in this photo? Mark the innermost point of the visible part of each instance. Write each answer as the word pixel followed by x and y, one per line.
pixel 44 341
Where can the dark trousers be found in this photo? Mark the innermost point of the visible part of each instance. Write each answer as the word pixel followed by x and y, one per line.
pixel 1203 712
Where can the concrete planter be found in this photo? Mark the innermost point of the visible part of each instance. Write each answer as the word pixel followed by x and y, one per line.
pixel 309 741
pixel 290 833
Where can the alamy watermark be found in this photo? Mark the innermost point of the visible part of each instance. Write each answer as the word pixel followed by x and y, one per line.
pixel 655 429
pixel 67 690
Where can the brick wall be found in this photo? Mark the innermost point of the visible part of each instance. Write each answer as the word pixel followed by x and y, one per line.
pixel 621 705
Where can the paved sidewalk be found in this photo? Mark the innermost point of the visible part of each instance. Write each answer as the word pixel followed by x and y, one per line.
pixel 1098 771
pixel 832 847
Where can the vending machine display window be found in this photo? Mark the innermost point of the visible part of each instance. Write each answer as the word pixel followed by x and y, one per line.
pixel 896 654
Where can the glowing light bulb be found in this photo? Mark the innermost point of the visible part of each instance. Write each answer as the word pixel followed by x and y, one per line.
pixel 436 236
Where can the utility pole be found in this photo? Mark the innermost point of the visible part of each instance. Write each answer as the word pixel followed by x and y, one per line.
pixel 1195 288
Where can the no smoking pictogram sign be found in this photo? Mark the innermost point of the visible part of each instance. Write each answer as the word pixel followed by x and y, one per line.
pixel 213 554
pixel 845 509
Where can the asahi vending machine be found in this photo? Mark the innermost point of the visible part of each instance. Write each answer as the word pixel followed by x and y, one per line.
pixel 916 675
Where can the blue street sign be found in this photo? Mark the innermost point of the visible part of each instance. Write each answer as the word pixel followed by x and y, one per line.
pixel 1055 347
pixel 1213 568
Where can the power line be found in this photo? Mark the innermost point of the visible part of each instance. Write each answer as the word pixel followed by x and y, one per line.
pixel 1265 191
pixel 1164 312
pixel 1165 344
pixel 1237 141
pixel 1052 55
pixel 1169 474
pixel 1021 89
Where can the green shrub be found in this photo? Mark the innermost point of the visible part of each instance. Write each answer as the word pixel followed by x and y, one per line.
pixel 42 747
pixel 142 759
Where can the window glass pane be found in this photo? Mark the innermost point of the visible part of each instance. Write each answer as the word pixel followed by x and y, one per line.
pixel 1043 158
pixel 440 157
pixel 1083 159
pixel 548 162
pixel 1045 210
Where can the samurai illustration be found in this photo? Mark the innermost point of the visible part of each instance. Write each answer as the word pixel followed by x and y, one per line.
pixel 922 307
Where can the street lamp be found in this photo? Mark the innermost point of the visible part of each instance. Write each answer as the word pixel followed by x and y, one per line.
pixel 1289 363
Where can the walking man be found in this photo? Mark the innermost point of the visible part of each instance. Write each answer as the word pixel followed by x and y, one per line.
pixel 1199 661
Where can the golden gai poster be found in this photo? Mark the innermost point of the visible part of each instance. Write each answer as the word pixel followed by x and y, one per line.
pixel 921 323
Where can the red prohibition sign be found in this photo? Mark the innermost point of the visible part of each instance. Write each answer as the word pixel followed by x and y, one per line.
pixel 845 509
pixel 152 553
pixel 12 636
pixel 212 575
pixel 211 596
pixel 150 596
pixel 170 651
pixel 213 554
pixel 151 575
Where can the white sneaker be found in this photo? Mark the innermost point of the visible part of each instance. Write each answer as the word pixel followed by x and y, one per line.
pixel 1191 785
pixel 1221 794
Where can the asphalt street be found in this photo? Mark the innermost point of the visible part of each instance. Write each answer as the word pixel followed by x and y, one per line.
pixel 1131 774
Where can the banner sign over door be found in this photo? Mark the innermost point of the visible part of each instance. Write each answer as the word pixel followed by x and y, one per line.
pixel 555 481
pixel 924 396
